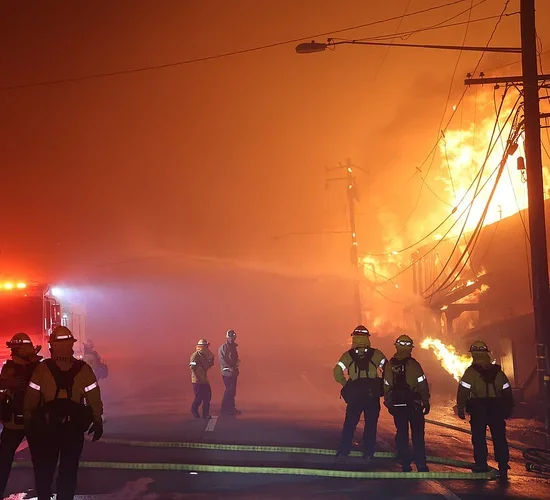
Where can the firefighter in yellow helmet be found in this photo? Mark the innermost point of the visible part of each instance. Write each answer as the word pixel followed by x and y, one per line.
pixel 14 380
pixel 200 362
pixel 57 417
pixel 361 390
pixel 485 393
pixel 407 397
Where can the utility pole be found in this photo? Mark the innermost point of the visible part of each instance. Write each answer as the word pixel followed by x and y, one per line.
pixel 535 190
pixel 352 199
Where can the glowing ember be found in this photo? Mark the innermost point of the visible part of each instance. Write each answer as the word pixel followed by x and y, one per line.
pixel 453 363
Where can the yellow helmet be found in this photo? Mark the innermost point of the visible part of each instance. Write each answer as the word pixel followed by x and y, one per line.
pixel 360 330
pixel 404 341
pixel 479 346
pixel 61 334
pixel 18 340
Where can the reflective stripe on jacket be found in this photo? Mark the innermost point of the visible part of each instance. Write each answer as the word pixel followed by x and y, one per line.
pixel 346 363
pixel 42 389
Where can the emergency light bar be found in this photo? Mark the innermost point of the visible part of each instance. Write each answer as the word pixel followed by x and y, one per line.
pixel 10 285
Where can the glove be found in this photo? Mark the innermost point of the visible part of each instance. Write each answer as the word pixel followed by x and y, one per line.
pixel 426 407
pixel 97 430
pixel 461 414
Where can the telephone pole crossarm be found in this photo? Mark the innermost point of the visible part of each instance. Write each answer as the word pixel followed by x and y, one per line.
pixel 502 79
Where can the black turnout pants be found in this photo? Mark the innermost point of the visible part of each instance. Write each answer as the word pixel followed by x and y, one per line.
pixel 9 442
pixel 65 444
pixel 414 418
pixel 370 408
pixel 203 395
pixel 228 400
pixel 485 414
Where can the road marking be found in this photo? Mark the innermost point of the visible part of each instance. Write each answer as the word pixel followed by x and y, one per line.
pixel 211 425
pixel 442 490
pixel 23 446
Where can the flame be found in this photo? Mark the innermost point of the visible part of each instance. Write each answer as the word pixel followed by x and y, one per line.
pixel 453 363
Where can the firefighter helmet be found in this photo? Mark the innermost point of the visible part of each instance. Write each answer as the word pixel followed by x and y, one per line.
pixel 404 341
pixel 479 346
pixel 61 334
pixel 203 343
pixel 360 330
pixel 230 334
pixel 18 340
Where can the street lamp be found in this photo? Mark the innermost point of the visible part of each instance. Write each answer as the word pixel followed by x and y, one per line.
pixel 313 46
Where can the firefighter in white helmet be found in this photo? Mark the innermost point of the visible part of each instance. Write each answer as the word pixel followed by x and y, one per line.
pixel 361 390
pixel 407 397
pixel 200 362
pixel 229 363
pixel 14 380
pixel 62 402
pixel 484 392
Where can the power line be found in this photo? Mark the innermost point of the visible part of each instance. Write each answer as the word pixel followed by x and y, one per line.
pixel 405 35
pixel 424 183
pixel 392 39
pixel 184 62
pixel 475 234
pixel 438 25
pixel 490 148
pixel 431 154
pixel 477 231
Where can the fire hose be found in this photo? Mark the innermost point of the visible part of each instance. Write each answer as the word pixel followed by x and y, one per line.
pixel 300 471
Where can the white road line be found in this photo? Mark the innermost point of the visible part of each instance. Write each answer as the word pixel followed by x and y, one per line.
pixel 23 446
pixel 211 425
pixel 442 490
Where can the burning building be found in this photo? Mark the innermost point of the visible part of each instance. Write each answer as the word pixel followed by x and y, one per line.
pixel 469 278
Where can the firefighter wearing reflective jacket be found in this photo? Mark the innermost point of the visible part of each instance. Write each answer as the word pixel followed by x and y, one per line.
pixel 485 393
pixel 361 390
pixel 14 380
pixel 62 402
pixel 201 361
pixel 407 397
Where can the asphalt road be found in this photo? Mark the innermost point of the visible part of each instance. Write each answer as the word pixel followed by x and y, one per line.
pixel 291 408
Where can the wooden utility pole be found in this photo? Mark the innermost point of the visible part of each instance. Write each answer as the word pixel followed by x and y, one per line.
pixel 535 190
pixel 352 199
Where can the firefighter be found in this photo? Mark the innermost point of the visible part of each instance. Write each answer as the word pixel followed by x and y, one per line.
pixel 201 361
pixel 56 416
pixel 92 357
pixel 485 393
pixel 14 379
pixel 361 391
pixel 229 364
pixel 407 397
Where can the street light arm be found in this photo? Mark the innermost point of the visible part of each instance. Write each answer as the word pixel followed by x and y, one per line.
pixel 313 46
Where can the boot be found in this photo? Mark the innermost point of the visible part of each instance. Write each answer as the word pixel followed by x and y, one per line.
pixel 503 472
pixel 478 468
pixel 406 468
pixel 341 457
pixel 195 413
pixel 422 468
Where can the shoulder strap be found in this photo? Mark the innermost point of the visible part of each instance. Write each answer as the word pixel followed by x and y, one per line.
pixel 64 379
pixel 401 372
pixel 362 362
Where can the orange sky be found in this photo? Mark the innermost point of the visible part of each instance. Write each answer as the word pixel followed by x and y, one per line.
pixel 217 157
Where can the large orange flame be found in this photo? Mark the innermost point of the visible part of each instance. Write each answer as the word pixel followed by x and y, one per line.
pixel 453 363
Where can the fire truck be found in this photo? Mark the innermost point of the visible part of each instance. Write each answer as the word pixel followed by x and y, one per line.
pixel 36 309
